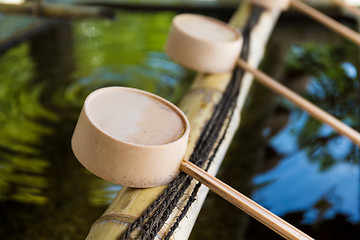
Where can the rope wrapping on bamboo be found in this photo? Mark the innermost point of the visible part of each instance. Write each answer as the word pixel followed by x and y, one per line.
pixel 212 135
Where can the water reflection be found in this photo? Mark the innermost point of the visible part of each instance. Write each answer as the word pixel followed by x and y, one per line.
pixel 319 173
pixel 301 182
pixel 44 192
pixel 21 164
pixel 128 52
pixel 289 162
pixel 304 172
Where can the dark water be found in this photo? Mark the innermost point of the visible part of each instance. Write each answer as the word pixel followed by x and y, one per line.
pixel 282 158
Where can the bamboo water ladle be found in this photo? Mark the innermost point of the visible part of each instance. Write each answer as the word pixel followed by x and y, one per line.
pixel 111 140
pixel 189 39
pixel 313 13
pixel 180 48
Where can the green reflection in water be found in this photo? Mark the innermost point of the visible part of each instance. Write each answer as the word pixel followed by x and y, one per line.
pixel 44 192
pixel 128 53
pixel 21 162
pixel 333 86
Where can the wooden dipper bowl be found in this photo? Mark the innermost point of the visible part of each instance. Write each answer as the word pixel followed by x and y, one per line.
pixel 203 44
pixel 137 139
pixel 273 4
pixel 131 137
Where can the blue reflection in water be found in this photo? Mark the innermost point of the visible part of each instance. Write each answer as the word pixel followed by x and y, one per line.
pixel 350 69
pixel 315 88
pixel 297 184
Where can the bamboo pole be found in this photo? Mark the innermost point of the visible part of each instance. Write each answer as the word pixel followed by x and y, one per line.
pixel 258 39
pixel 327 21
pixel 354 10
pixel 312 109
pixel 57 10
pixel 198 104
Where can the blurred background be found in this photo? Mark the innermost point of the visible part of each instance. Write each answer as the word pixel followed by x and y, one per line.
pixel 285 160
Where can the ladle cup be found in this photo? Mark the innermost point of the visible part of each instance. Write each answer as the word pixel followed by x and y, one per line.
pixel 137 139
pixel 131 137
pixel 312 109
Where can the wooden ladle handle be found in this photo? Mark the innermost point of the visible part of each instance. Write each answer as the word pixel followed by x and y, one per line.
pixel 327 21
pixel 250 207
pixel 301 102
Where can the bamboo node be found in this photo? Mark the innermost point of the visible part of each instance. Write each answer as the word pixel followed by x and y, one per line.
pixel 116 218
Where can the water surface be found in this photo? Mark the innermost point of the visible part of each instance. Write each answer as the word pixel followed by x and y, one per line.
pixel 282 158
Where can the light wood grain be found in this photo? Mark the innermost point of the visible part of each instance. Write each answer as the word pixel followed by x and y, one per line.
pixel 258 212
pixel 311 108
pixel 327 21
